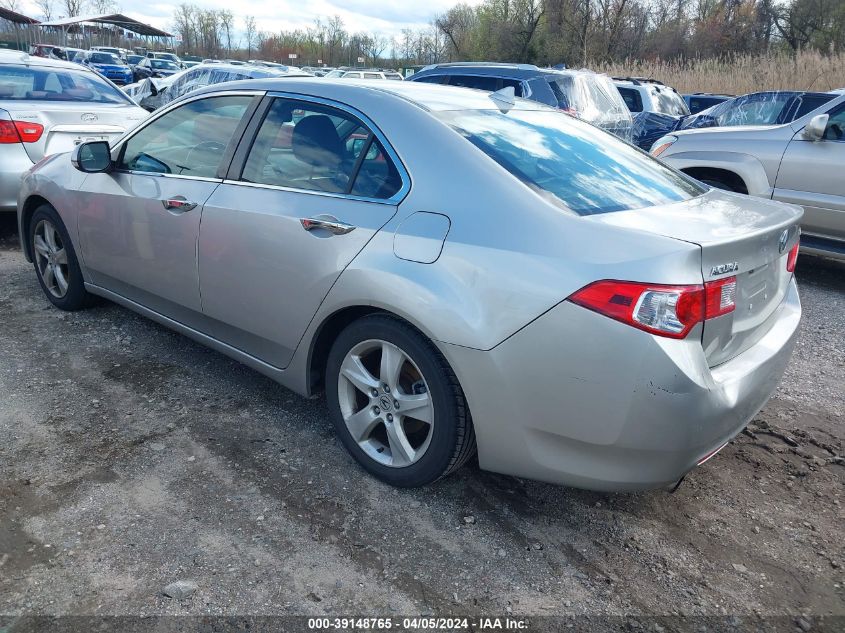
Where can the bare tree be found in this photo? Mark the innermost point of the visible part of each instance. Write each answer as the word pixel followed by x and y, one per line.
pixel 251 34
pixel 227 23
pixel 73 8
pixel 46 7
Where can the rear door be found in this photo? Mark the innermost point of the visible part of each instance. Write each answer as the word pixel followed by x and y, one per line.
pixel 811 174
pixel 310 186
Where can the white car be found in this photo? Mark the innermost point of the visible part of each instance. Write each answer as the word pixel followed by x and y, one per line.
pixel 48 106
pixel 365 74
pixel 650 95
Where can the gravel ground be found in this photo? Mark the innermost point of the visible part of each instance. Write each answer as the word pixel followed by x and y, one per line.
pixel 132 458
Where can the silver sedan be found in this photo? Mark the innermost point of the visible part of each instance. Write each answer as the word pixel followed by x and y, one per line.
pixel 458 271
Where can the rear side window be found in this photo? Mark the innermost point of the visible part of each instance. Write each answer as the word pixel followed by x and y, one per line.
pixel 808 103
pixel 571 163
pixel 34 83
pixel 432 79
pixel 372 76
pixel 319 148
pixel 187 141
pixel 632 98
pixel 490 84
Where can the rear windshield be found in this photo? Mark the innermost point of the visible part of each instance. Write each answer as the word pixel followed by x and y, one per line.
pixel 33 83
pixel 667 101
pixel 569 162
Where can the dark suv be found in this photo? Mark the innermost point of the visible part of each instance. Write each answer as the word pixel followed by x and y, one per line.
pixel 582 93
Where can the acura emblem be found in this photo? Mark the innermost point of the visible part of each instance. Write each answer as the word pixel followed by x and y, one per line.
pixel 89 117
pixel 784 238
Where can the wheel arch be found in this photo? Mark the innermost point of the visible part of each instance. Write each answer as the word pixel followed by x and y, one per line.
pixel 29 206
pixel 326 333
pixel 747 169
pixel 731 178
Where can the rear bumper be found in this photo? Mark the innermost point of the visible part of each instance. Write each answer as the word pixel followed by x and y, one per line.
pixel 576 398
pixel 14 164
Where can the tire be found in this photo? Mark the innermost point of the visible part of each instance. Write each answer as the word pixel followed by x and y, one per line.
pixel 63 285
pixel 436 443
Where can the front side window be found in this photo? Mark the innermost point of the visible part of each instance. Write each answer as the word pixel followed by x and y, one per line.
pixel 37 83
pixel 571 163
pixel 187 141
pixel 319 148
pixel 835 130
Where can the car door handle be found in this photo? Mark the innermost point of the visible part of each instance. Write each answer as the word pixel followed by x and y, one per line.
pixel 329 223
pixel 178 204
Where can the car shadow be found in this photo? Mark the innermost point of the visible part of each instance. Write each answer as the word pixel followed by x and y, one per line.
pixel 8 230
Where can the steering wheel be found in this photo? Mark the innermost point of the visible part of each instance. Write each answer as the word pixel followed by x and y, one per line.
pixel 213 147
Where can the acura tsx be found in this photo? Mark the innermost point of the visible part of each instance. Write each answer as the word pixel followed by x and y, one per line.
pixel 458 271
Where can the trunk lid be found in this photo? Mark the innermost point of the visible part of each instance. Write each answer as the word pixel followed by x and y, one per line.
pixel 67 124
pixel 741 236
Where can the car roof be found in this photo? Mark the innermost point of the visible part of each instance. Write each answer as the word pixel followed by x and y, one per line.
pixel 18 57
pixel 434 97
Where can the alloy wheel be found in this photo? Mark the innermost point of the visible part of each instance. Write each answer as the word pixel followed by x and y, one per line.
pixel 51 258
pixel 385 403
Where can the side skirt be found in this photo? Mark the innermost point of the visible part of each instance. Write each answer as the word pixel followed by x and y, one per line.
pixel 280 376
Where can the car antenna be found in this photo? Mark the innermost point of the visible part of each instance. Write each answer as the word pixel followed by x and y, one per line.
pixel 505 98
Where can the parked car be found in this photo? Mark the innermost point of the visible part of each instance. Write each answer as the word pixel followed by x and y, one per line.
pixel 153 67
pixel 575 309
pixel 170 57
pixel 151 94
pixel 109 66
pixel 46 50
pixel 772 107
pixel 655 107
pixel 49 106
pixel 190 63
pixel 702 100
pixel 642 94
pixel 112 50
pixel 364 73
pixel 75 55
pixel 582 93
pixel 801 162
pixel 133 59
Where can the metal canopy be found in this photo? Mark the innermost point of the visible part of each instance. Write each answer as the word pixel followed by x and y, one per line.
pixel 17 18
pixel 117 19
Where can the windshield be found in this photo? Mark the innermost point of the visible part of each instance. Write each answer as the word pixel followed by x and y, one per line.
pixel 104 58
pixel 163 64
pixel 33 83
pixel 762 108
pixel 334 74
pixel 134 59
pixel 667 101
pixel 570 163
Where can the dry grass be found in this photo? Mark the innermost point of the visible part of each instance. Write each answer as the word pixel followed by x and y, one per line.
pixel 741 74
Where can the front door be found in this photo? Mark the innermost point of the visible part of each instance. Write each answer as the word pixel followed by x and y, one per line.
pixel 811 174
pixel 139 228
pixel 314 188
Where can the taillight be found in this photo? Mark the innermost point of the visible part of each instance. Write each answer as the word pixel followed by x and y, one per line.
pixel 792 258
pixel 8 133
pixel 20 132
pixel 719 297
pixel 670 311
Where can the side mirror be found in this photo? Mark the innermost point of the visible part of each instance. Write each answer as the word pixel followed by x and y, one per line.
pixel 815 129
pixel 92 157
